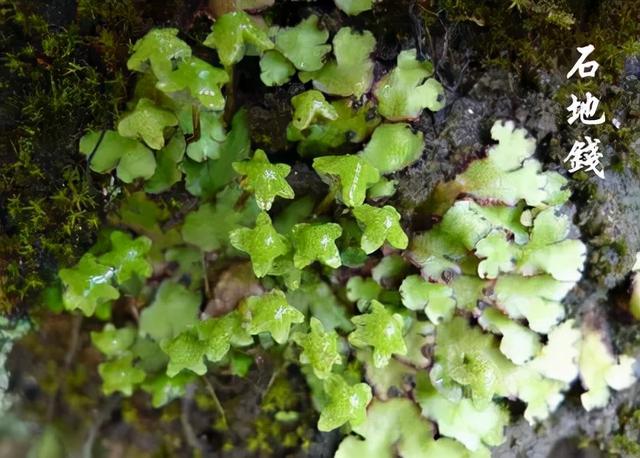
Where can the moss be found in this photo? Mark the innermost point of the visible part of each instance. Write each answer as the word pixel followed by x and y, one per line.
pixel 509 31
pixel 280 396
pixel 284 421
pixel 62 80
pixel 626 442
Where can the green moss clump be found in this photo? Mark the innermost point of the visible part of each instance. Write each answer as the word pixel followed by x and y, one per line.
pixel 626 442
pixel 506 27
pixel 62 80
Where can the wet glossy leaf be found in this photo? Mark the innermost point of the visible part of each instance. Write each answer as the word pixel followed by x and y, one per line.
pixel 220 333
pixel 264 179
pixel 352 173
pixel 207 178
pixel 88 285
pixel 393 147
pixel 315 242
pixel 167 172
pixel 231 33
pixel 128 256
pixel 381 330
pixel 105 152
pixel 304 45
pixel 408 89
pixel 120 375
pixel 345 403
pixel 147 121
pixel 283 267
pixel 271 313
pixel 275 69
pixel 380 224
pixel 111 341
pixel 309 107
pixel 159 48
pixel 352 125
pixel 351 73
pixel 319 348
pixel 202 80
pixel 211 138
pixel 263 244
pixel 186 352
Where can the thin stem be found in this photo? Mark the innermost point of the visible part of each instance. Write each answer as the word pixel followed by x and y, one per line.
pixel 187 429
pixel 216 401
pixel 68 360
pixel 207 287
pixel 326 202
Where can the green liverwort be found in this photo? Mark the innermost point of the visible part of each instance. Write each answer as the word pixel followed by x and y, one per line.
pixel 316 242
pixel 232 32
pixel 380 224
pixel 263 244
pixel 381 330
pixel 159 47
pixel 352 173
pixel 88 285
pixel 271 313
pixel 147 121
pixel 264 179
pixel 319 348
pixel 346 403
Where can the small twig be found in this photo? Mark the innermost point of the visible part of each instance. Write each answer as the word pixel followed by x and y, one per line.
pixel 418 30
pixel 456 86
pixel 230 105
pixel 187 429
pixel 216 401
pixel 95 148
pixel 324 205
pixel 177 217
pixel 90 158
pixel 134 310
pixel 207 287
pixel 68 360
pixel 276 373
pixel 273 378
pixel 195 122
pixel 242 200
pixel 103 414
